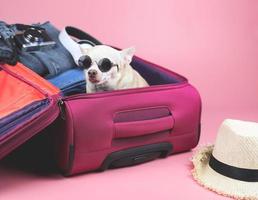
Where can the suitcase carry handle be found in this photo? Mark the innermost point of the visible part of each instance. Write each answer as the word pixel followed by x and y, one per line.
pixel 136 155
pixel 143 127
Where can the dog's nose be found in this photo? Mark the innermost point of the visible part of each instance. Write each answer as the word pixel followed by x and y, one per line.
pixel 92 72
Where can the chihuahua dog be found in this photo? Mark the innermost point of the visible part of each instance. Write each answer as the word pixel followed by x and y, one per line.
pixel 109 69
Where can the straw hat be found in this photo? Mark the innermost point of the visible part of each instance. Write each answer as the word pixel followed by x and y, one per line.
pixel 230 167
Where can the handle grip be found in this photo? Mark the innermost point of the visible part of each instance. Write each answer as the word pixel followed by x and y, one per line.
pixel 143 127
pixel 136 155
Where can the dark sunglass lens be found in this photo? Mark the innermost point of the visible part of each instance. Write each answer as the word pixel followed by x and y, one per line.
pixel 85 62
pixel 105 65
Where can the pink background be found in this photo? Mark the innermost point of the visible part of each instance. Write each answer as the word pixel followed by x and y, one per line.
pixel 213 43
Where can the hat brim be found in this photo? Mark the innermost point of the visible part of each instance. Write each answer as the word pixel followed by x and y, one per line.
pixel 218 183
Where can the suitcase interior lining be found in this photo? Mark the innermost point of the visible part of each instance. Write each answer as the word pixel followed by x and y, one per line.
pixel 20 100
pixel 154 75
pixel 16 94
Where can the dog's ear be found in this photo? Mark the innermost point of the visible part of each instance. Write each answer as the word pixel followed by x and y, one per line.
pixel 127 54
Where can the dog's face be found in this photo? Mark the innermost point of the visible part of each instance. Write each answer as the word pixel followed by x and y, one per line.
pixel 105 63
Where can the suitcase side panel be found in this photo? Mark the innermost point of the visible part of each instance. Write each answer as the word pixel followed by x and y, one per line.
pixel 94 127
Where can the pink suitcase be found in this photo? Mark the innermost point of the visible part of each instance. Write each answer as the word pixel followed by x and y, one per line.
pixel 109 129
pixel 127 127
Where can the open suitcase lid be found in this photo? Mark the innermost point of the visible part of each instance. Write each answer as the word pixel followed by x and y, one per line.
pixel 28 104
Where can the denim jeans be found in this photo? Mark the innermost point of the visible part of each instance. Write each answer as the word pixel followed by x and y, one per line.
pixel 51 62
pixel 70 82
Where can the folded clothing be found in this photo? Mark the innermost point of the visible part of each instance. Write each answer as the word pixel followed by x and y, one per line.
pixel 49 62
pixel 70 82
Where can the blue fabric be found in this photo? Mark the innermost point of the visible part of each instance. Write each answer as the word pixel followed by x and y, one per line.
pixel 11 121
pixel 70 82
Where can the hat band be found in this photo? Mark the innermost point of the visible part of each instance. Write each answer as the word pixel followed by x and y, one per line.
pixel 242 174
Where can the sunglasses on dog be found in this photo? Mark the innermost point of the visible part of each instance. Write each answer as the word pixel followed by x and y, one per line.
pixel 104 64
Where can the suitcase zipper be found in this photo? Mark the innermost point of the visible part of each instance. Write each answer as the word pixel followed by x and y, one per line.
pixel 61 106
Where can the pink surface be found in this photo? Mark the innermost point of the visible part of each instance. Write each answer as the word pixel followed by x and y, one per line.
pixel 164 179
pixel 214 43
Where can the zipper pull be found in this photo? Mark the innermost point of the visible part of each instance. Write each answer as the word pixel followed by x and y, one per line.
pixel 61 108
